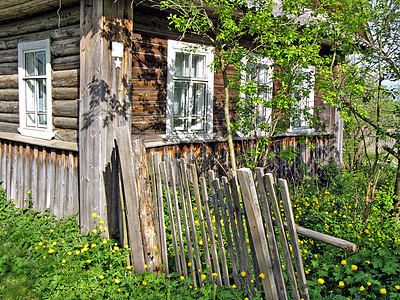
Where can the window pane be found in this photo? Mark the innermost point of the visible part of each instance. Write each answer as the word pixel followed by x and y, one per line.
pixel 182 64
pixel 29 63
pixel 41 97
pixel 198 65
pixel 180 105
pixel 30 95
pixel 40 63
pixel 42 120
pixel 30 119
pixel 198 108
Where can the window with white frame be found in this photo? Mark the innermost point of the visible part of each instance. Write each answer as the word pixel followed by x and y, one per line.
pixel 190 84
pixel 304 94
pixel 34 81
pixel 259 76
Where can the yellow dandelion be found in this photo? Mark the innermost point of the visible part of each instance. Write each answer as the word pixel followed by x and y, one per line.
pixel 145 266
pixel 64 261
pixel 94 231
pixel 354 267
pixel 54 243
pixel 69 253
pixel 104 242
pixel 362 288
pixel 128 267
pixel 51 230
pixel 101 222
pixel 182 277
pixel 40 244
pixel 214 274
pixel 397 287
pixel 341 283
pixel 101 277
pixel 88 261
pixel 126 246
pixel 344 262
pixel 234 286
pixel 383 291
pixel 77 252
pixel 203 276
pixel 189 264
pixel 117 281
pixel 369 283
pixel 94 215
pixel 144 282
pixel 51 251
pixel 321 281
pixel 243 273
pixel 262 275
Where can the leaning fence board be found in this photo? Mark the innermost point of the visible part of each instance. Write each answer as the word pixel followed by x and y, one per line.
pixel 231 251
pixel 199 206
pixel 132 205
pixel 191 218
pixel 269 180
pixel 171 216
pixel 277 266
pixel 242 235
pixel 294 239
pixel 211 234
pixel 186 224
pixel 256 226
pixel 214 199
pixel 160 209
pixel 178 218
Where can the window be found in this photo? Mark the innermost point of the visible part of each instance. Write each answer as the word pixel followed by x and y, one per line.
pixel 34 80
pixel 304 94
pixel 259 77
pixel 190 83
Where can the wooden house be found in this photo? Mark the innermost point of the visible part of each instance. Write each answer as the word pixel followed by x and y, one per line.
pixel 71 71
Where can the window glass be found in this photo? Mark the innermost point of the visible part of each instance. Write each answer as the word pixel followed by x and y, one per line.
pixel 40 63
pixel 29 63
pixel 198 109
pixel 182 64
pixel 198 64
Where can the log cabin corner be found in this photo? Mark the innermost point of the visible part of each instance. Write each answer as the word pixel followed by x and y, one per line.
pixel 71 71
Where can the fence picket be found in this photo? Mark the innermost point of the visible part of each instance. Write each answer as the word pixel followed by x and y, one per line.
pixel 269 180
pixel 211 234
pixel 178 218
pixel 277 266
pixel 294 240
pixel 200 215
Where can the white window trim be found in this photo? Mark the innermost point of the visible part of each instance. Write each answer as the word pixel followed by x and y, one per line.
pixel 43 133
pixel 311 96
pixel 171 134
pixel 268 115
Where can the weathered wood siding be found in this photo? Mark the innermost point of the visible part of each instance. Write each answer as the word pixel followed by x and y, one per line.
pixel 49 175
pixel 62 28
pixel 311 152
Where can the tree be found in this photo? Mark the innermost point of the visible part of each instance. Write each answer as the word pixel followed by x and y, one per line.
pixel 363 86
pixel 242 34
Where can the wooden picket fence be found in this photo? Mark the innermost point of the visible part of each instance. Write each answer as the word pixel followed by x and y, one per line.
pixel 227 231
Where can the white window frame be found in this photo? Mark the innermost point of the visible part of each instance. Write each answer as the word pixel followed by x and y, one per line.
pixel 45 132
pixel 309 99
pixel 187 133
pixel 263 112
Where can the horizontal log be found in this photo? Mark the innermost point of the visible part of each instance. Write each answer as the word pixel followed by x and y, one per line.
pixel 140 84
pixel 68 16
pixel 9 55
pixel 142 73
pixel 66 123
pixel 9 68
pixel 9 95
pixel 148 95
pixel 65 108
pixel 148 40
pixel 9 127
pixel 149 61
pixel 66 63
pixel 9 118
pixel 67 135
pixel 9 107
pixel 64 78
pixel 54 34
pixel 9 81
pixel 65 93
pixel 65 47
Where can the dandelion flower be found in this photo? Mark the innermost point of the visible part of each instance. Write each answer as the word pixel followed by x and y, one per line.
pixel 69 253
pixel 145 266
pixel 369 283
pixel 128 267
pixel 94 231
pixel 77 252
pixel 51 251
pixel 40 244
pixel 126 246
pixel 397 287
pixel 214 274
pixel 93 245
pixel 383 291
pixel 182 277
pixel 51 230
pixel 203 276
pixel 88 261
pixel 262 275
pixel 94 215
pixel 341 283
pixel 117 281
pixel 243 273
pixel 64 261
pixel 362 288
pixel 321 281
pixel 189 264
pixel 354 267
pixel 101 222
pixel 344 262
pixel 234 286
pixel 144 282
pixel 101 277
pixel 54 243
pixel 104 241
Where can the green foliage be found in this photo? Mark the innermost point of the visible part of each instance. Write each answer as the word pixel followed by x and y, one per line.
pixel 45 258
pixel 334 205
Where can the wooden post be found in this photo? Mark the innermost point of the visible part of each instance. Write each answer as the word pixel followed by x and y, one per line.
pixel 252 207
pixel 104 101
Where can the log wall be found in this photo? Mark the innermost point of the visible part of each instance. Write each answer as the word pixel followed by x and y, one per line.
pixel 47 176
pixel 64 33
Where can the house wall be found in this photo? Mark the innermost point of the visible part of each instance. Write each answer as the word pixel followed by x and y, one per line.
pixel 63 31
pixel 49 169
